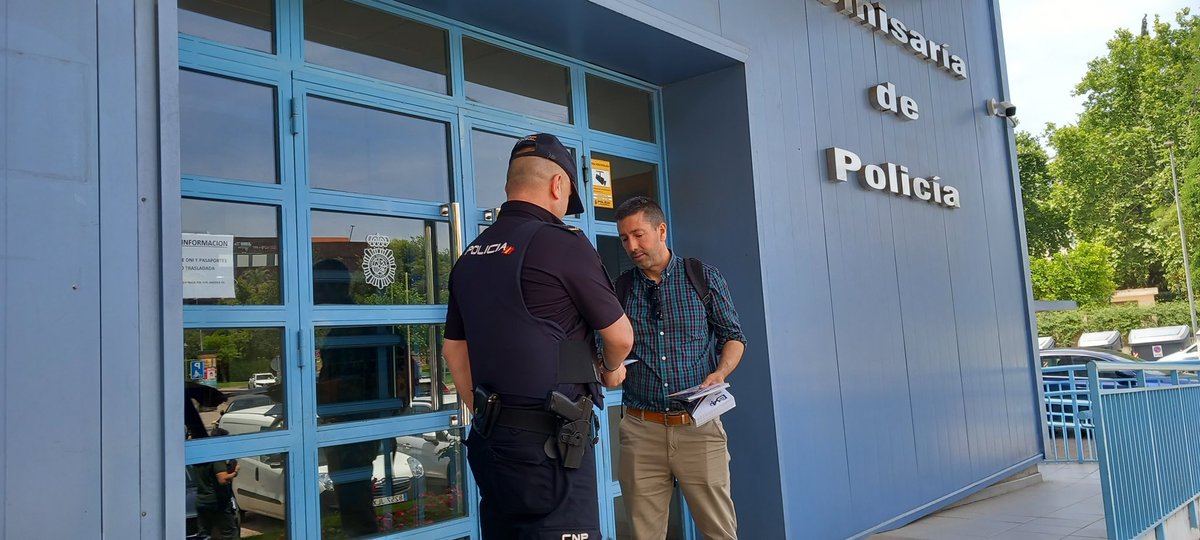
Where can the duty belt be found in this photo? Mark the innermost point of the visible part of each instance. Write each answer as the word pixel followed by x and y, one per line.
pixel 533 420
pixel 569 424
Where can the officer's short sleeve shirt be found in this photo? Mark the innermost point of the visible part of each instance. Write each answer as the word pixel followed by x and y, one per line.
pixel 562 278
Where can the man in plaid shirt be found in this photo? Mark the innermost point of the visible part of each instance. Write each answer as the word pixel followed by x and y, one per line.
pixel 680 343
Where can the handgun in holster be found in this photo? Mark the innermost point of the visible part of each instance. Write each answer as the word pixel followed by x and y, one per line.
pixel 487 411
pixel 575 428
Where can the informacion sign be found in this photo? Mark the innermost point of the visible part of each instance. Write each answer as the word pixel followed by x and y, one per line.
pixel 208 266
pixel 602 193
pixel 197 370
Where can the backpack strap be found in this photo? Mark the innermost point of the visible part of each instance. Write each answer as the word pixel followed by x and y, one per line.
pixel 695 274
pixel 623 285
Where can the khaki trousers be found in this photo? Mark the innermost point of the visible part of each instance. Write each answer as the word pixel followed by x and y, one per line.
pixel 652 454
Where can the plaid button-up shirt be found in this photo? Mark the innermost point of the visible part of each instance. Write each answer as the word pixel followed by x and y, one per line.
pixel 676 342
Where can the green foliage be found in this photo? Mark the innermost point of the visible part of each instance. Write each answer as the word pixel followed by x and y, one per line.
pixel 1045 224
pixel 1083 274
pixel 1066 326
pixel 240 351
pixel 1111 176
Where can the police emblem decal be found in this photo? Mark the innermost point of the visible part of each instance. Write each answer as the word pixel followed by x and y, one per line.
pixel 378 263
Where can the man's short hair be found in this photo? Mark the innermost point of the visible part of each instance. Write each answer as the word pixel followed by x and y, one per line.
pixel 653 212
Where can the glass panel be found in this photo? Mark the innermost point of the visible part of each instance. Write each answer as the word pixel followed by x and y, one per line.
pixel 614 438
pixel 370 42
pixel 245 23
pixel 513 81
pixel 613 255
pixel 368 372
pixel 630 178
pixel 365 150
pixel 489 154
pixel 232 381
pixel 256 484
pixel 363 259
pixel 230 253
pixel 674 522
pixel 226 128
pixel 392 484
pixel 620 109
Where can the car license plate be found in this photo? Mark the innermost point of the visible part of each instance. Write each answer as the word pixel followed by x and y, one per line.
pixel 391 499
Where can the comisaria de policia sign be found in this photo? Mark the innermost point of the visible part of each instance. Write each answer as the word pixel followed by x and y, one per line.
pixel 885 98
pixel 875 16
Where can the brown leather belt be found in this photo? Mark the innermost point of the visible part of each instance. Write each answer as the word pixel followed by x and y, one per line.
pixel 669 418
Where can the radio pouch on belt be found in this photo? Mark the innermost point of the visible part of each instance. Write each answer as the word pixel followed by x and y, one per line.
pixel 487 411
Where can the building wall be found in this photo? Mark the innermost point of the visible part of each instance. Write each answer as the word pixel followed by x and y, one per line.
pixel 49 242
pixel 81 328
pixel 899 340
pixel 889 365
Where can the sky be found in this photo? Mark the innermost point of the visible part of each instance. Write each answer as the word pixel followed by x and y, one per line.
pixel 1048 44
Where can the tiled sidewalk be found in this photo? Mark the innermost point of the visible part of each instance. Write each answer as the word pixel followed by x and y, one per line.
pixel 1067 504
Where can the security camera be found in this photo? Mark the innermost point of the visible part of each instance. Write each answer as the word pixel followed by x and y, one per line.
pixel 1003 109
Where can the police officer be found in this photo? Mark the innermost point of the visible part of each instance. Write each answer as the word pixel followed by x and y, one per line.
pixel 526 300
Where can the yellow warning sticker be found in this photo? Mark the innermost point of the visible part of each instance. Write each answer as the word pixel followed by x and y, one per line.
pixel 602 194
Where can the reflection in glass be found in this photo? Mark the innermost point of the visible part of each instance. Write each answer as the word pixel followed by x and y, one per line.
pixel 368 372
pixel 630 178
pixel 513 81
pixel 233 381
pixel 226 128
pixel 256 484
pixel 392 484
pixel 365 150
pixel 674 522
pixel 620 109
pixel 245 23
pixel 253 231
pixel 613 256
pixel 370 42
pixel 388 260
pixel 489 154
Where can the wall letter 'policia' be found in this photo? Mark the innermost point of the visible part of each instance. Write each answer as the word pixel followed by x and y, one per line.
pixel 889 177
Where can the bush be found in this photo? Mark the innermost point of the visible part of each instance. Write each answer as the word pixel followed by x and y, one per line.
pixel 1066 326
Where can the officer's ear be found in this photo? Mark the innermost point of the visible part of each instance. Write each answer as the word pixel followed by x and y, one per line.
pixel 557 182
pixel 662 231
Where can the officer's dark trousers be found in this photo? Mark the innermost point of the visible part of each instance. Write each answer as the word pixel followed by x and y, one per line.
pixel 527 495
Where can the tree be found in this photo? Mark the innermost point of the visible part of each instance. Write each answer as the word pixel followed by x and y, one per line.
pixel 1112 179
pixel 1084 274
pixel 1045 224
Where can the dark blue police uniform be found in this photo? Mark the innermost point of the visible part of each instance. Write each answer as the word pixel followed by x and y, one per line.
pixel 526 290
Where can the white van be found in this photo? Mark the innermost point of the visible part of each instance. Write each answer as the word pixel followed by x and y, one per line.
pixel 261 485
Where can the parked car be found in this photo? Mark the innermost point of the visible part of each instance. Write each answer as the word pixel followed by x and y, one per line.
pixel 433 451
pixel 260 380
pixel 1080 356
pixel 1067 404
pixel 242 402
pixel 1188 354
pixel 261 485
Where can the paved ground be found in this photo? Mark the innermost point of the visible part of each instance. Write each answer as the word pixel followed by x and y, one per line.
pixel 1067 504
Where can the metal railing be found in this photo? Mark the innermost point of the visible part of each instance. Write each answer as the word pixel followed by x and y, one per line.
pixel 1147 439
pixel 1070 429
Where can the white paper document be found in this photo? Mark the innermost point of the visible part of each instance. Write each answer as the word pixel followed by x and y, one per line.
pixel 712 406
pixel 695 392
pixel 629 361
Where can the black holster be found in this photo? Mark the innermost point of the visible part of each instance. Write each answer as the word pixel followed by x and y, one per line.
pixel 576 427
